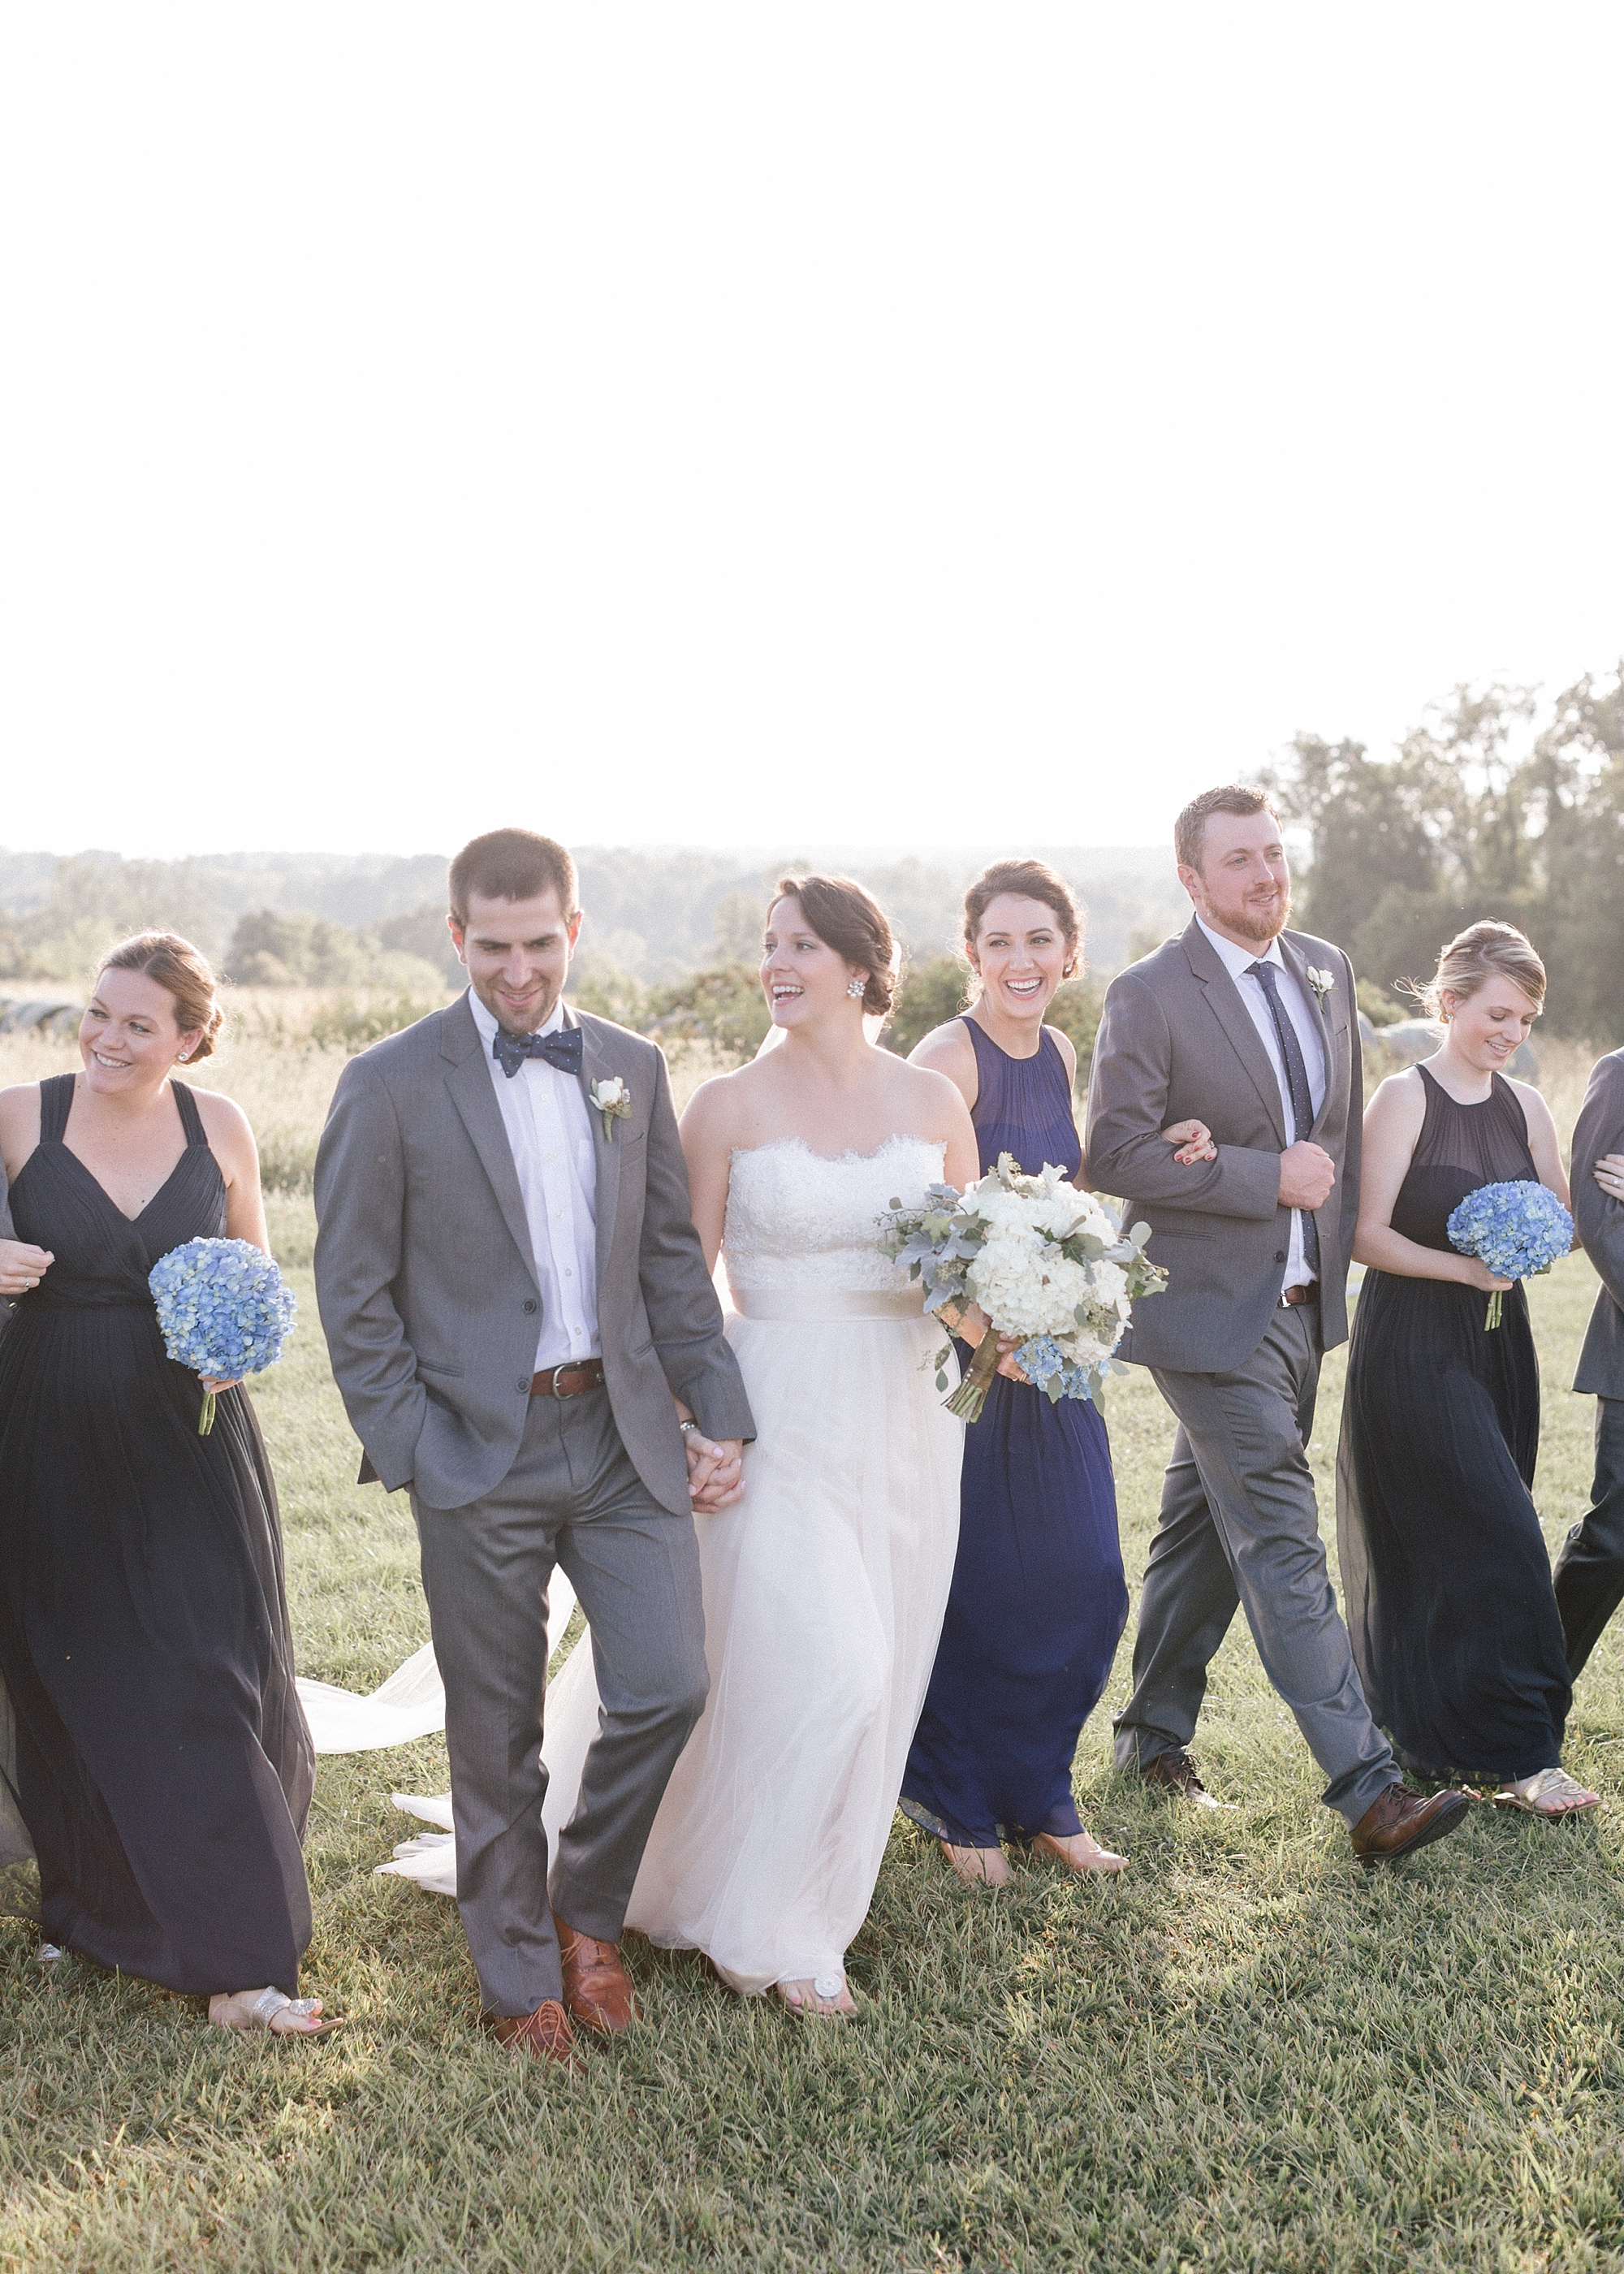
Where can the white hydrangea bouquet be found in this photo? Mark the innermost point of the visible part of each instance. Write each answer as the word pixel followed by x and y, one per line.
pixel 1043 1262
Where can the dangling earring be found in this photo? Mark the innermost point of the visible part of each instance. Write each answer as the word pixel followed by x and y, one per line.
pixel 857 989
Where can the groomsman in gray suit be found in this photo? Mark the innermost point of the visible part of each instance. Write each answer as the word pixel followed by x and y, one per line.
pixel 1590 1570
pixel 1253 1030
pixel 525 1335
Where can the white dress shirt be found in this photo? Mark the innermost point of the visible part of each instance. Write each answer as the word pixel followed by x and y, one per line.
pixel 549 1128
pixel 1238 962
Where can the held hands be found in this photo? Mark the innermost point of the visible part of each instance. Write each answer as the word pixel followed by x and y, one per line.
pixel 715 1472
pixel 1193 1140
pixel 1307 1174
pixel 22 1266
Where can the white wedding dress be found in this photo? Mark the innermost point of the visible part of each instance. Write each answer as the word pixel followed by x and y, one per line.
pixel 824 1587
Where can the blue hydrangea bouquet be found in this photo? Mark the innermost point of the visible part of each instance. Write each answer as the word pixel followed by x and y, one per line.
pixel 1518 1230
pixel 225 1311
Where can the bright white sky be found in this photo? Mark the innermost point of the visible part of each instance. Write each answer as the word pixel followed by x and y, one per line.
pixel 880 421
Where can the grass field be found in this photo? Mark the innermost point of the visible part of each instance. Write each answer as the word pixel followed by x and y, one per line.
pixel 1245 2054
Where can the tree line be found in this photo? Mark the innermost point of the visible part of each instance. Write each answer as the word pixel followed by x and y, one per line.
pixel 1498 806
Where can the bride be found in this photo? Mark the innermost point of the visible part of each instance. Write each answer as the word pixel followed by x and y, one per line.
pixel 826 1585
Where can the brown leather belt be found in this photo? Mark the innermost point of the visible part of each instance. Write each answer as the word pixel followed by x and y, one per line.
pixel 1289 1300
pixel 567 1380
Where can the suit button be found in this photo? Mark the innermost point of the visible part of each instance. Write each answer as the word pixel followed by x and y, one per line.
pixel 1280 1255
pixel 523 1384
pixel 530 1303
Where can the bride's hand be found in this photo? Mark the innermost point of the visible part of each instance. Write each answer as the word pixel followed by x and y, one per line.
pixel 22 1266
pixel 971 1324
pixel 1609 1174
pixel 1192 1140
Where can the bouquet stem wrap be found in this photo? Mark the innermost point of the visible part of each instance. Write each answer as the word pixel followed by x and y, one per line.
pixel 205 1418
pixel 970 1395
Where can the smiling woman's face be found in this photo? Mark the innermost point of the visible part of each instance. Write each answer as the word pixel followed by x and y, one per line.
pixel 1487 1027
pixel 129 1038
pixel 801 975
pixel 1021 951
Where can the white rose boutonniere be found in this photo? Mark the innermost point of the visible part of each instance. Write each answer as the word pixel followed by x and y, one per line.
pixel 1322 983
pixel 613 1102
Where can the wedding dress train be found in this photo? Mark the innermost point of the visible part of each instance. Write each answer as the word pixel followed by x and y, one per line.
pixel 824 1587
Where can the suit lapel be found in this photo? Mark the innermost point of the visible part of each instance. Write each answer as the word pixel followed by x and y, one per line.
pixel 594 1065
pixel 1336 1062
pixel 469 1081
pixel 1223 999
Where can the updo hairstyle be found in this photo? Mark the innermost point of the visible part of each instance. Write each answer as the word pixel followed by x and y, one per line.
pixel 183 971
pixel 1481 952
pixel 852 922
pixel 1033 880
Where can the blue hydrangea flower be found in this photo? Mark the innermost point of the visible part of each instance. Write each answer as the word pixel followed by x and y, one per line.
pixel 1519 1229
pixel 224 1309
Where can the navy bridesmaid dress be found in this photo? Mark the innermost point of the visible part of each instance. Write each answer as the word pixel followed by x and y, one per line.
pixel 1039 1600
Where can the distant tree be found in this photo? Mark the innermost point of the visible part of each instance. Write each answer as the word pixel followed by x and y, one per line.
pixel 724 1007
pixel 933 991
pixel 1477 814
pixel 421 931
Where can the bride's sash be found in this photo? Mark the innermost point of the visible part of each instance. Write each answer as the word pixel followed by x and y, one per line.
pixel 807 1303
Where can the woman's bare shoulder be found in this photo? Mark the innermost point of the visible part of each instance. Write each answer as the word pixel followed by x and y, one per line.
pixel 19 1106
pixel 721 1108
pixel 946 1049
pixel 225 1125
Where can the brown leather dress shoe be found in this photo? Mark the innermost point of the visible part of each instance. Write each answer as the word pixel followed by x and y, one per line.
pixel 545 2033
pixel 1175 1772
pixel 1402 1821
pixel 596 1988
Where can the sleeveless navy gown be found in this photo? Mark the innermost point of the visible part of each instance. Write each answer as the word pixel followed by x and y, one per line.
pixel 164 1767
pixel 1446 1576
pixel 1039 1600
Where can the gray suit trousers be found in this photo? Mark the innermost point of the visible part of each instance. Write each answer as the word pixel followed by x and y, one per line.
pixel 572 1498
pixel 1239 1523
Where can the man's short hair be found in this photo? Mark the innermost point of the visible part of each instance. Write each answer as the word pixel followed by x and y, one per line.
pixel 1190 826
pixel 510 865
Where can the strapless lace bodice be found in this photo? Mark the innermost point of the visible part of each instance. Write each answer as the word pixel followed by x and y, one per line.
pixel 798 1240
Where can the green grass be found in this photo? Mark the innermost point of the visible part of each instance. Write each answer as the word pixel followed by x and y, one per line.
pixel 1245 2054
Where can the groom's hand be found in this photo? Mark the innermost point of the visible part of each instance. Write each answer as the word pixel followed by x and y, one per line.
pixel 1306 1174
pixel 715 1472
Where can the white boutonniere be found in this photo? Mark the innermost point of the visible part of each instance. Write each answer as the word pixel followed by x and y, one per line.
pixel 613 1102
pixel 1322 983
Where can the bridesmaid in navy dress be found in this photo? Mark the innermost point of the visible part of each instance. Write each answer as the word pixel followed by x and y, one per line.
pixel 1038 1598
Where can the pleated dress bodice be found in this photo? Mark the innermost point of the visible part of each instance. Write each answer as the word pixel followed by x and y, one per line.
pixel 163 1764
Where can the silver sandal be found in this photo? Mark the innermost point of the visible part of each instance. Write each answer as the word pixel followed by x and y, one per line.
pixel 1528 1793
pixel 269 2003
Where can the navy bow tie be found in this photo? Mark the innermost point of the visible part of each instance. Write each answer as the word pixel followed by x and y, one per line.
pixel 561 1049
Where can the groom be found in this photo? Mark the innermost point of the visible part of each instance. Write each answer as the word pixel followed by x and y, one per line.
pixel 1253 1030
pixel 514 1293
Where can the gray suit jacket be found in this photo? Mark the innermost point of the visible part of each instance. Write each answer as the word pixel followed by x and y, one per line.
pixel 428 1289
pixel 1600 1129
pixel 1175 1041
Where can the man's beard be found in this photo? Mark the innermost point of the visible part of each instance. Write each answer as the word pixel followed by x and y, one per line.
pixel 1255 925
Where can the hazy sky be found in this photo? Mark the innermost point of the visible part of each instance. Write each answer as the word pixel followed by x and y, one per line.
pixel 716 424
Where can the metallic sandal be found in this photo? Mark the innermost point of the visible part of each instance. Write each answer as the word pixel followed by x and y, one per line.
pixel 1530 1794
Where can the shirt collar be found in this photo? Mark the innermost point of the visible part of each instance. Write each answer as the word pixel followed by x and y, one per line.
pixel 486 1022
pixel 1237 962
